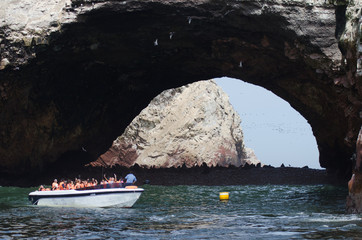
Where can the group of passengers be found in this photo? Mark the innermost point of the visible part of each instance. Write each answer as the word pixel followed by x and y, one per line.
pixel 79 184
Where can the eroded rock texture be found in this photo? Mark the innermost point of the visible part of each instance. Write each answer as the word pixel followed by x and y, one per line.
pixel 75 73
pixel 190 125
pixel 354 199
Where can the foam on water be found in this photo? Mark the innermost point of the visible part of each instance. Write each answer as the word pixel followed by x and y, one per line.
pixel 329 218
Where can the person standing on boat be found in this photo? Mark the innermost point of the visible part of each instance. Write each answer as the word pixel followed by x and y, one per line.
pixel 130 179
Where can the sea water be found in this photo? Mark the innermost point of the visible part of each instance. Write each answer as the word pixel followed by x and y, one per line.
pixel 190 212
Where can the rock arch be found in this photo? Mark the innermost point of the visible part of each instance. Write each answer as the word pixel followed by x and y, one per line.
pixel 76 88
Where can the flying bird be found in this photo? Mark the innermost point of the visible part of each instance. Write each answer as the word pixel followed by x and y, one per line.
pixel 190 19
pixel 155 43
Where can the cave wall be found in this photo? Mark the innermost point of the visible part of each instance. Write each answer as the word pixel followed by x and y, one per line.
pixel 68 92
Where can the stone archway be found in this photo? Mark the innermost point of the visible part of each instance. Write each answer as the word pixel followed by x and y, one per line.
pixel 106 60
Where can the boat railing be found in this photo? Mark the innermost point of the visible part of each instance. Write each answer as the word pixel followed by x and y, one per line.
pixel 104 186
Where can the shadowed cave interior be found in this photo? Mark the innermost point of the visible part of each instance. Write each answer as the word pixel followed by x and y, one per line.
pixel 96 75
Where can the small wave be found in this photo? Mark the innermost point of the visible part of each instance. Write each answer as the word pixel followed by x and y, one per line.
pixel 334 218
pixel 160 218
pixel 281 233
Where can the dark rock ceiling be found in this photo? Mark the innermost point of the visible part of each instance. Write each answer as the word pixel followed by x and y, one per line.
pixel 97 74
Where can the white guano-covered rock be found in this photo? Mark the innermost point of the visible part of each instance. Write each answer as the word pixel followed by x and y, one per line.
pixel 190 125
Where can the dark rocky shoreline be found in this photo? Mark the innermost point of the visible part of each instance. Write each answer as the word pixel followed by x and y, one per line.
pixel 191 176
pixel 236 176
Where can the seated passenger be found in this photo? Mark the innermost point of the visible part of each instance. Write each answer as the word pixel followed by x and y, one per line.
pixel 105 179
pixel 89 183
pixel 81 184
pixel 55 185
pixel 111 180
pixel 120 180
pixel 94 182
pixel 70 185
pixel 62 185
pixel 77 184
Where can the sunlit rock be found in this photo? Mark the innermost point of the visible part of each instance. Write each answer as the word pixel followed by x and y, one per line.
pixel 190 125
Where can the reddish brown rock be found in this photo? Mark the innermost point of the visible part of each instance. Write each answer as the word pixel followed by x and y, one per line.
pixel 121 154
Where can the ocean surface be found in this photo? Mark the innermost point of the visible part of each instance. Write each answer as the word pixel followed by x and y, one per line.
pixel 190 212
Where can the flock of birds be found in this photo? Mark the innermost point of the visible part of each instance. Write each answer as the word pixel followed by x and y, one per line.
pixel 171 34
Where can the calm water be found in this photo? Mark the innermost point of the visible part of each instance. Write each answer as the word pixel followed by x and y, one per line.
pixel 185 212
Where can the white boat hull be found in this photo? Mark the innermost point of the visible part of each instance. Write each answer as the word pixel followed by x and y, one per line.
pixel 112 197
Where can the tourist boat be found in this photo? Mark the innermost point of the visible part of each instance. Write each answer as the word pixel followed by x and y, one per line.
pixel 104 195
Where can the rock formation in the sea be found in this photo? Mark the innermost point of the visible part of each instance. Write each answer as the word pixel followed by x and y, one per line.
pixel 74 73
pixel 190 125
pixel 354 199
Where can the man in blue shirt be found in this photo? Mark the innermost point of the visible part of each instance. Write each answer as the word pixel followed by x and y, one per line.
pixel 130 179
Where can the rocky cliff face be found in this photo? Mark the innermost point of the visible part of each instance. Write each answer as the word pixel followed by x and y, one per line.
pixel 190 125
pixel 354 199
pixel 74 73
